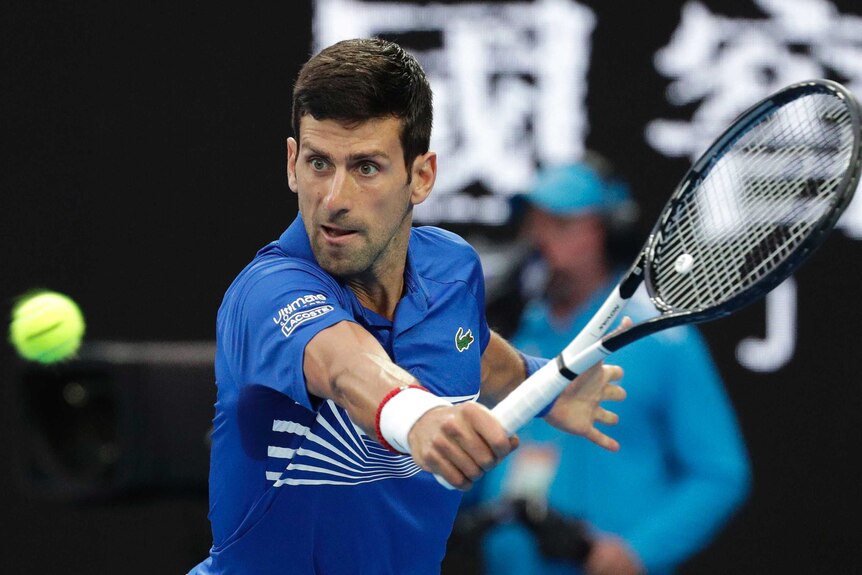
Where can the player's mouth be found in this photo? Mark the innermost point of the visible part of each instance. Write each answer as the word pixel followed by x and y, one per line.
pixel 337 235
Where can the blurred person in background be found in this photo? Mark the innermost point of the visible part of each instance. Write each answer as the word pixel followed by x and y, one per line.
pixel 559 505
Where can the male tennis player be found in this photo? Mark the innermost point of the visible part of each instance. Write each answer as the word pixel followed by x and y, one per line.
pixel 351 349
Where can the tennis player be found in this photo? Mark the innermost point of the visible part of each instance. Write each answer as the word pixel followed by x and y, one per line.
pixel 352 349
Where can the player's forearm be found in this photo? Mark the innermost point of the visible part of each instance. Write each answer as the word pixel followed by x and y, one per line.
pixel 502 370
pixel 346 364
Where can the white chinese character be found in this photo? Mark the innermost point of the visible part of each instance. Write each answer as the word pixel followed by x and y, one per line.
pixel 724 65
pixel 509 83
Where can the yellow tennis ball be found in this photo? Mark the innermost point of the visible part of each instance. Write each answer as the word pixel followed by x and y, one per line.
pixel 46 327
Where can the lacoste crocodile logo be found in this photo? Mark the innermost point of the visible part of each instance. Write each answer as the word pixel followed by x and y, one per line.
pixel 463 340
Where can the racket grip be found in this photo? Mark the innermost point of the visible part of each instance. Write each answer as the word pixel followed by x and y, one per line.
pixel 531 397
pixel 543 387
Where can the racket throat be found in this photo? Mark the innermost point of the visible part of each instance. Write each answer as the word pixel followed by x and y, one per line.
pixel 564 371
pixel 633 279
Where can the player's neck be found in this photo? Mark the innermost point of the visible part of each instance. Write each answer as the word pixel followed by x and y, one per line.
pixel 381 298
pixel 381 288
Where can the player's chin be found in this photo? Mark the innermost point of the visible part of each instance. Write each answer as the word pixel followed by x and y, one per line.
pixel 338 268
pixel 342 264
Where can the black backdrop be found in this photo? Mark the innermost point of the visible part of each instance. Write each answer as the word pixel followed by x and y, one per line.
pixel 143 165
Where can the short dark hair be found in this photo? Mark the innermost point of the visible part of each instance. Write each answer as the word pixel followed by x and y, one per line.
pixel 362 79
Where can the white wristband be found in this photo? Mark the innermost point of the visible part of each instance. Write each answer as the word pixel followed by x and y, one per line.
pixel 399 412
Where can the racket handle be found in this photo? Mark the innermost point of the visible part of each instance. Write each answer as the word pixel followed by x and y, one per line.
pixel 543 387
pixel 529 398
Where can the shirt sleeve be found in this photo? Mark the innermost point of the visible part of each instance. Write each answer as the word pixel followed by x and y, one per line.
pixel 270 319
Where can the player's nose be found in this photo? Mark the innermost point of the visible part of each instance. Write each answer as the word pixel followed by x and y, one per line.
pixel 339 194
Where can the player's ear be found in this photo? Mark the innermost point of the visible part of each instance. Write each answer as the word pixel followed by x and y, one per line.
pixel 424 174
pixel 292 151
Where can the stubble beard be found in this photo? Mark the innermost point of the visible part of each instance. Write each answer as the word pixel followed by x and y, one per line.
pixel 343 263
pixel 357 261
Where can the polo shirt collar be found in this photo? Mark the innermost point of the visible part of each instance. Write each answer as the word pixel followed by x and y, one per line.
pixel 294 241
pixel 412 306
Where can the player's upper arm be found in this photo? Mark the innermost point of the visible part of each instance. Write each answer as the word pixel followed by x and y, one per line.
pixel 267 321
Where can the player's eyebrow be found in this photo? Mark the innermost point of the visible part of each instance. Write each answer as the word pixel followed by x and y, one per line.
pixel 371 154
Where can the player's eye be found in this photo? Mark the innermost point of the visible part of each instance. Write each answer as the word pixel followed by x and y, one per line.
pixel 368 169
pixel 317 164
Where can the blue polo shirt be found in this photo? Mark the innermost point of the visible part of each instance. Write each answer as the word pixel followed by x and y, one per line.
pixel 295 486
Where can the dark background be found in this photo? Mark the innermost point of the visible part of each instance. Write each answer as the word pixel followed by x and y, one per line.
pixel 143 165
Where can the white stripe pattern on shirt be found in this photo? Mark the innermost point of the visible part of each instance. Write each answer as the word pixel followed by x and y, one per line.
pixel 351 458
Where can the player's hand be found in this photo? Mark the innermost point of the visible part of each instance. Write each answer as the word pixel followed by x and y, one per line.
pixel 579 408
pixel 459 443
pixel 612 556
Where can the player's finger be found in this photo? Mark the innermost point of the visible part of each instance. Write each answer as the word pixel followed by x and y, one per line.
pixel 452 474
pixel 613 372
pixel 625 323
pixel 607 417
pixel 613 393
pixel 491 433
pixel 603 440
pixel 475 459
pixel 464 448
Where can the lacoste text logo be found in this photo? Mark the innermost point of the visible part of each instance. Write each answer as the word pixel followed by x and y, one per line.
pixel 301 310
pixel 463 340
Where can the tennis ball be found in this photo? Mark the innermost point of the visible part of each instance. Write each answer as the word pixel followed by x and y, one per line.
pixel 46 327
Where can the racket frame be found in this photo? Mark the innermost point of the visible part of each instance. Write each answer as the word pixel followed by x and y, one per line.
pixel 739 127
pixel 591 345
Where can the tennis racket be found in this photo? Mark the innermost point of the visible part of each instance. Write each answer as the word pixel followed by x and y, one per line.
pixel 745 216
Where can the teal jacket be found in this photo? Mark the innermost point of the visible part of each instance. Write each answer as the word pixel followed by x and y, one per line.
pixel 682 470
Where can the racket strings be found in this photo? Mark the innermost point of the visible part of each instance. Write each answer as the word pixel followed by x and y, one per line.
pixel 765 243
pixel 755 204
